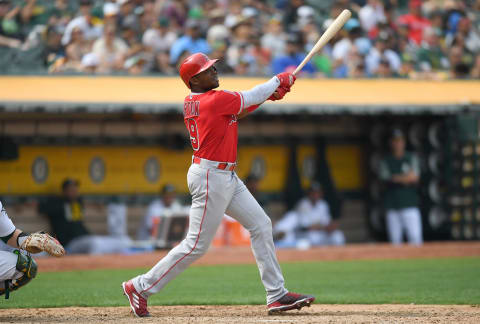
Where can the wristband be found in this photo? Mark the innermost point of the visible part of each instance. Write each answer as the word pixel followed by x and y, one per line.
pixel 24 235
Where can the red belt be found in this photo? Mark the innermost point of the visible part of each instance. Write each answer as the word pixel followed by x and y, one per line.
pixel 220 165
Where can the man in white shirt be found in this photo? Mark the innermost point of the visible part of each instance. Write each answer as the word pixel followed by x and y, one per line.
pixel 159 37
pixel 310 222
pixel 165 206
pixel 84 23
pixel 380 52
pixel 371 14
pixel 110 50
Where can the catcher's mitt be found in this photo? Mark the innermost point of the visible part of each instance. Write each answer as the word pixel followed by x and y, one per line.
pixel 38 242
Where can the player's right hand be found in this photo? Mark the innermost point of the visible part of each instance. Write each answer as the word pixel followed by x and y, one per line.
pixel 286 79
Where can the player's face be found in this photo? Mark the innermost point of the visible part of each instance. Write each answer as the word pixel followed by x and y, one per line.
pixel 207 80
pixel 398 145
pixel 71 192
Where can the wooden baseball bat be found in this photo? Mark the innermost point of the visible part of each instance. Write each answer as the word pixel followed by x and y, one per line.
pixel 336 25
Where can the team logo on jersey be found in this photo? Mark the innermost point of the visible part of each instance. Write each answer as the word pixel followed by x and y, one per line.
pixel 233 120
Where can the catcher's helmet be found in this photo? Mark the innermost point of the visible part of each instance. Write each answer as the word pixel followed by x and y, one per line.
pixel 193 65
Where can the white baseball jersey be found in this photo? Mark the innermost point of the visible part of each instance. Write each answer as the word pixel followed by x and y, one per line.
pixel 313 213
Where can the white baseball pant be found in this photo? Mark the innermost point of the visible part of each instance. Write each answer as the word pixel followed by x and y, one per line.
pixel 408 219
pixel 215 192
pixel 8 267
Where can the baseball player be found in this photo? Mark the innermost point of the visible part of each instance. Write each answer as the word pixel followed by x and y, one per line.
pixel 17 268
pixel 211 119
pixel 400 172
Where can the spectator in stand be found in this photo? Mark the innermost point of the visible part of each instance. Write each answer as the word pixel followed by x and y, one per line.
pixel 245 63
pixel 219 52
pixel 10 25
pixel 159 37
pixel 110 13
pixel 90 31
pixel 310 34
pixel 468 33
pixel 126 15
pixel 351 36
pixel 89 63
pixel 133 41
pixel 164 206
pixel 274 39
pixel 241 34
pixel 66 214
pixel 290 14
pixel 158 40
pixel 234 13
pixel 77 48
pixel 46 13
pixel 294 55
pixel 229 25
pixel 191 42
pixel 459 63
pixel 309 223
pixel 355 66
pixel 380 52
pixel 217 32
pixel 400 171
pixel 110 50
pixel 371 15
pixel 414 21
pixel 262 57
pixel 384 69
pixel 305 15
pixel 467 55
pixel 475 72
pixel 53 45
pixel 176 12
pixel 431 56
pixel 388 26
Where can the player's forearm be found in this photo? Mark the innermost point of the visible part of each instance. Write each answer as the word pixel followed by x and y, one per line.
pixel 12 241
pixel 260 93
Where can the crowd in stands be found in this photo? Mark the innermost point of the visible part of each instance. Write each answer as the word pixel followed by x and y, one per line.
pixel 419 39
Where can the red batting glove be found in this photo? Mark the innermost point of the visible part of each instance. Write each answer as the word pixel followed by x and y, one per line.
pixel 279 93
pixel 286 79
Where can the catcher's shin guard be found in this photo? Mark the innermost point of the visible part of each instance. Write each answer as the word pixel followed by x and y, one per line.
pixel 25 264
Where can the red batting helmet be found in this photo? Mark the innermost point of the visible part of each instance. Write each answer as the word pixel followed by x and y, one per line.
pixel 193 65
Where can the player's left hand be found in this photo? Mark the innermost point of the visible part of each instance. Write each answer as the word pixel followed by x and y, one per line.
pixel 38 242
pixel 279 93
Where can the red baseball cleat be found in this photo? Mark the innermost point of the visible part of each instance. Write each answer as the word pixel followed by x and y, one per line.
pixel 137 302
pixel 290 301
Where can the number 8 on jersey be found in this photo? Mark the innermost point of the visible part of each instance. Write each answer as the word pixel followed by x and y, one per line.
pixel 193 130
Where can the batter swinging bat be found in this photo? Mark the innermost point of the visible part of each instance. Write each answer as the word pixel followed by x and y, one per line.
pixel 336 25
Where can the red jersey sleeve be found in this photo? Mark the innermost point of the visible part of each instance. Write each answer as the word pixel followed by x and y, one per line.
pixel 228 102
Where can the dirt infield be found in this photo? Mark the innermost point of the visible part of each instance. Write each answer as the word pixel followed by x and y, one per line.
pixel 243 255
pixel 249 315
